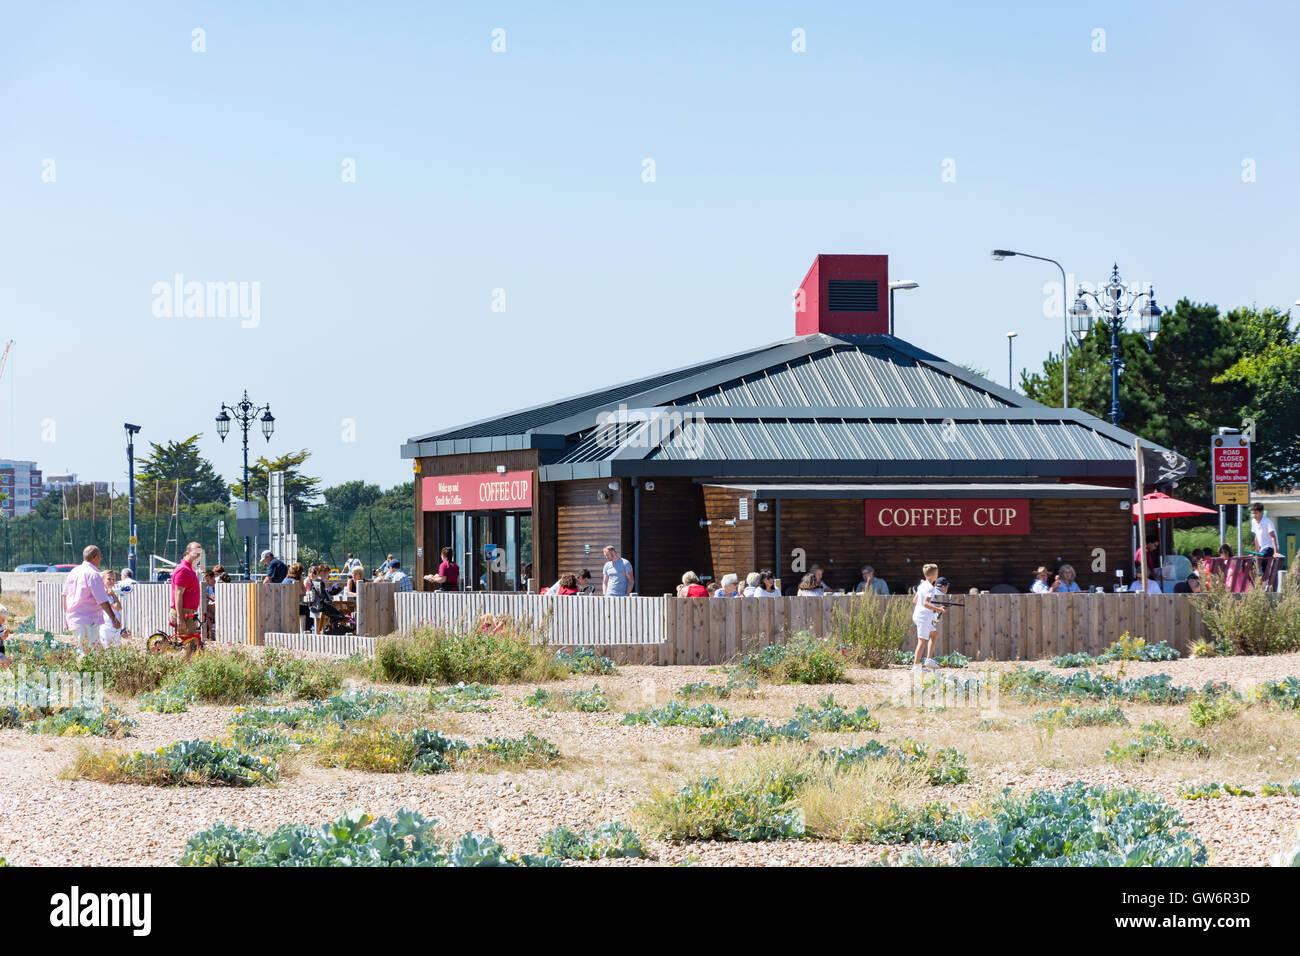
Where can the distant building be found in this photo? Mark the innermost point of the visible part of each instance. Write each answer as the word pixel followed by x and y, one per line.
pixel 21 483
pixel 70 483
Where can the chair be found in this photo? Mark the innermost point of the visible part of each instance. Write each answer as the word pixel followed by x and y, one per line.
pixel 1004 589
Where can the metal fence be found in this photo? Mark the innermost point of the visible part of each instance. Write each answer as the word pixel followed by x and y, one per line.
pixel 369 533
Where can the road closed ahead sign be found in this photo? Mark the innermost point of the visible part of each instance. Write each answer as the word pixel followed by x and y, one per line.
pixel 1230 469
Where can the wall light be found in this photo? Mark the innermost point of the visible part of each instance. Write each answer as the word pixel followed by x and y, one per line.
pixel 613 486
pixel 762 506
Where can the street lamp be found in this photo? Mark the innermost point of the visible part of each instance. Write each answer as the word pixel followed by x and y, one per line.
pixel 1010 336
pixel 998 256
pixel 245 412
pixel 131 431
pixel 1114 305
pixel 893 286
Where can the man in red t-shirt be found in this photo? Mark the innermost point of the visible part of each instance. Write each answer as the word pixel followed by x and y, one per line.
pixel 186 594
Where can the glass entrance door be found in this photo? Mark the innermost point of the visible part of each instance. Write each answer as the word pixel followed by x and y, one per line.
pixel 493 548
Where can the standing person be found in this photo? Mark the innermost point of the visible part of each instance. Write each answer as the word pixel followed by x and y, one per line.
pixel 618 578
pixel 387 565
pixel 925 615
pixel 109 634
pixel 448 576
pixel 350 563
pixel 186 595
pixel 276 570
pixel 1265 534
pixel 870 584
pixel 85 602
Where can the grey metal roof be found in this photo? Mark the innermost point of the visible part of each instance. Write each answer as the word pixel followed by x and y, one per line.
pixel 1003 489
pixel 850 376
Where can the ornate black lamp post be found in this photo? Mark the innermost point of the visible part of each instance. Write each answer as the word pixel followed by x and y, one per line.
pixel 1115 304
pixel 245 412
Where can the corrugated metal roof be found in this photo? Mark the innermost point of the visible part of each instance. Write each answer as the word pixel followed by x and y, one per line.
pixel 848 375
pixel 877 439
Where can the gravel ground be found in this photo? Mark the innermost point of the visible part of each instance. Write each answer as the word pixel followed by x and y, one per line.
pixel 609 769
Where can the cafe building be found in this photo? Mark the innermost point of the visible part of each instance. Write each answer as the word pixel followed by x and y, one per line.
pixel 841 446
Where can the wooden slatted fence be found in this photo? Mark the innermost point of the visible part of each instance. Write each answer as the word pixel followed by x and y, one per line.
pixel 587 621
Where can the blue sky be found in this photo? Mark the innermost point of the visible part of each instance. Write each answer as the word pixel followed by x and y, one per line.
pixel 522 171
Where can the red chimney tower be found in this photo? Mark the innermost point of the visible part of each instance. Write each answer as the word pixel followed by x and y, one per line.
pixel 844 295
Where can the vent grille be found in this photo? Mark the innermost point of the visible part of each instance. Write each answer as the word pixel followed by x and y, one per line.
pixel 853 295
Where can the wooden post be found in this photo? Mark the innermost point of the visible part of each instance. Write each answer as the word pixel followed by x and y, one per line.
pixel 1141 513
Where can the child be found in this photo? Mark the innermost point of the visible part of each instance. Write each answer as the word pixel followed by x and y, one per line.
pixel 110 636
pixel 4 632
pixel 925 615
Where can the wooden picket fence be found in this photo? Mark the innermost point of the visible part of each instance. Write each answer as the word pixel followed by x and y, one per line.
pixel 578 621
pixel 337 645
pixel 49 607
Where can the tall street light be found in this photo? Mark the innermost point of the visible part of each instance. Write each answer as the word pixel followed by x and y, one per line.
pixel 1010 337
pixel 999 255
pixel 894 286
pixel 245 412
pixel 131 431
pixel 1114 305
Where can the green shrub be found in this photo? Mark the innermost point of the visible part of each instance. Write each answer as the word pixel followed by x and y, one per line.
pixel 1255 622
pixel 946 765
pixel 872 630
pixel 893 823
pixel 299 678
pixel 1081 825
pixel 11 717
pixel 1283 694
pixel 1157 740
pixel 463 698
pixel 85 720
pixel 738 686
pixel 584 660
pixel 1072 715
pixel 384 750
pixel 1214 790
pixel 955 659
pixel 831 716
pixel 130 670
pixel 186 763
pixel 607 842
pixel 760 808
pixel 223 678
pixel 803 660
pixel 428 654
pixel 347 708
pixel 593 701
pixel 752 730
pixel 673 714
pixel 1035 684
pixel 171 700
pixel 46 651
pixel 356 839
pixel 1206 711
pixel 526 751
pixel 1125 649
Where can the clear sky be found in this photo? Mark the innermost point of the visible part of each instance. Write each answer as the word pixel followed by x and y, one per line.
pixel 522 171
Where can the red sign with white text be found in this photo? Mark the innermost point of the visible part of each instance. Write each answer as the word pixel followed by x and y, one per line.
pixel 488 492
pixel 1230 460
pixel 899 516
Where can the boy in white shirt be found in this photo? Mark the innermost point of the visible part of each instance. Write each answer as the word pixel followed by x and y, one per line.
pixel 925 616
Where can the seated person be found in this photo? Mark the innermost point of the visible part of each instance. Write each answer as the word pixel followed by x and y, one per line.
pixel 870 584
pixel 1065 582
pixel 730 586
pixel 810 586
pixel 1040 585
pixel 691 586
pixel 568 584
pixel 1153 581
pixel 1191 586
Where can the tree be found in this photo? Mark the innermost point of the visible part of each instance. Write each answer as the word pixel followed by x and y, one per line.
pixel 173 462
pixel 1204 370
pixel 398 497
pixel 300 490
pixel 51 505
pixel 351 495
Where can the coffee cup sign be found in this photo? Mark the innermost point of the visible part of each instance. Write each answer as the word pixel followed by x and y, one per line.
pixel 490 491
pixel 925 516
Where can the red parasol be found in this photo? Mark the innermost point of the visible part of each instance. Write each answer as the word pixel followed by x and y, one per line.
pixel 1157 505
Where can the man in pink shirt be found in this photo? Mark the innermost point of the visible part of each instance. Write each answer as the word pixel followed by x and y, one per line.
pixel 186 595
pixel 85 601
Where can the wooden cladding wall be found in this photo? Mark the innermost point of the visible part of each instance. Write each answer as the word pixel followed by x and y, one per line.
pixel 832 533
pixel 672 541
pixel 584 525
pixel 730 547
